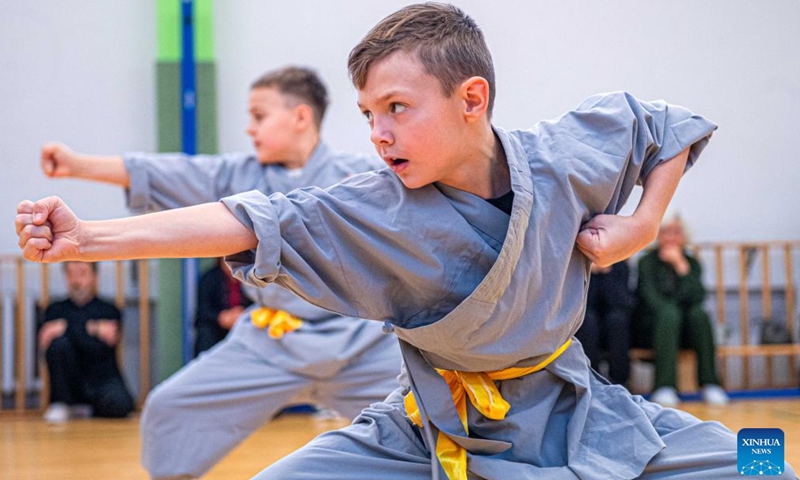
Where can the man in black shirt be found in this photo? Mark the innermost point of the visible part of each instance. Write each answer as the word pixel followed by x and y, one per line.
pixel 220 301
pixel 79 336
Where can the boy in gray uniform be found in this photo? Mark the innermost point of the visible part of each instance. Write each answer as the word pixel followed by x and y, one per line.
pixel 475 245
pixel 198 415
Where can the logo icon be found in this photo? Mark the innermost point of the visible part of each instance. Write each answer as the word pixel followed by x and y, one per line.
pixel 760 451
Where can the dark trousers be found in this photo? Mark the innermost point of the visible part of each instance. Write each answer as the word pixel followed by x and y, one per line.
pixel 610 334
pixel 70 384
pixel 668 329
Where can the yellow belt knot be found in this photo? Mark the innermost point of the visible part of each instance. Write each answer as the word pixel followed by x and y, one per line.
pixel 482 392
pixel 278 321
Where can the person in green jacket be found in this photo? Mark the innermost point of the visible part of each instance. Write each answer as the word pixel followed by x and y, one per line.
pixel 671 315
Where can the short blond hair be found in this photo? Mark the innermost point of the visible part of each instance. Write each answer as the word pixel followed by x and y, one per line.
pixel 444 39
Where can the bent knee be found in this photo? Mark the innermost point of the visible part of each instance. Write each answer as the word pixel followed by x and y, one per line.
pixel 59 347
pixel 163 403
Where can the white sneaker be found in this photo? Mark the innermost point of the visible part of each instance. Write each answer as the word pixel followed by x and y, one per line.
pixel 324 413
pixel 715 395
pixel 666 397
pixel 56 413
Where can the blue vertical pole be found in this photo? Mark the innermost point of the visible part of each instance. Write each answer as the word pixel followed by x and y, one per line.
pixel 189 142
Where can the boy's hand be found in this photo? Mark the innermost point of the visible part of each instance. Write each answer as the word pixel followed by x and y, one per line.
pixel 48 231
pixel 608 239
pixel 57 160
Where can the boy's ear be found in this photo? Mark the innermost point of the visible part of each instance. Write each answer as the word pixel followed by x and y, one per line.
pixel 475 92
pixel 303 115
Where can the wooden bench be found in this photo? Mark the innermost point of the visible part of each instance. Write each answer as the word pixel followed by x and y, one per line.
pixel 769 352
pixel 749 254
pixel 687 362
pixel 687 367
pixel 745 256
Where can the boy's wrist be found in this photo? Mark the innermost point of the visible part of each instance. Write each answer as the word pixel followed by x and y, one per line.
pixel 81 165
pixel 647 227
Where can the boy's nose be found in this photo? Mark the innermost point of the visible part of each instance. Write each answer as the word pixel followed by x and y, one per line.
pixel 380 136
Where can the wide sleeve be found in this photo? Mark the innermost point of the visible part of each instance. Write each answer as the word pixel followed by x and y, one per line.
pixel 360 248
pixel 613 141
pixel 165 181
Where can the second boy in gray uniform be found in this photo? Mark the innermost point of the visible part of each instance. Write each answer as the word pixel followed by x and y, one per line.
pixel 194 418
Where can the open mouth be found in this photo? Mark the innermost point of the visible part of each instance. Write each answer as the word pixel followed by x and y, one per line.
pixel 397 165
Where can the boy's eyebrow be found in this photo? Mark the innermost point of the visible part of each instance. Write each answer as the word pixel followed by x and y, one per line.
pixel 384 97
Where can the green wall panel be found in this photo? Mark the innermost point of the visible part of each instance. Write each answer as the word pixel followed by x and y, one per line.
pixel 168 329
pixel 169 30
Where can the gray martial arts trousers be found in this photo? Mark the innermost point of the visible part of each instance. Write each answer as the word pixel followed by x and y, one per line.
pixel 383 440
pixel 198 415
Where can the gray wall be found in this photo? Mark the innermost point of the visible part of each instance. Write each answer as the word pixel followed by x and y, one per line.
pixel 85 76
pixel 81 73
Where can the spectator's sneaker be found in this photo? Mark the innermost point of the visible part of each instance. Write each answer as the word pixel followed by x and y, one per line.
pixel 57 413
pixel 80 410
pixel 324 413
pixel 714 395
pixel 665 396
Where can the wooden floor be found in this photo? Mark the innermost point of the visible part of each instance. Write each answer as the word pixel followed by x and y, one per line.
pixel 109 449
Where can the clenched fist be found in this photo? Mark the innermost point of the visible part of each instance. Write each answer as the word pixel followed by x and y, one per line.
pixel 48 231
pixel 57 160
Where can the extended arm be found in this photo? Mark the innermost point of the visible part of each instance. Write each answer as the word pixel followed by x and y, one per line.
pixel 49 232
pixel 58 161
pixel 155 182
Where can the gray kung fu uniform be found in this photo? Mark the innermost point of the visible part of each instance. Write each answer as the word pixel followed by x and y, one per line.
pixel 198 415
pixel 467 287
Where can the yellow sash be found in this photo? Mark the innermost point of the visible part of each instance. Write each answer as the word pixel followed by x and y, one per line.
pixel 485 397
pixel 278 321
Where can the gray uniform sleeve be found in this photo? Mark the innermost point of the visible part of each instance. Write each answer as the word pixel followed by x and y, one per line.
pixel 611 142
pixel 345 248
pixel 173 180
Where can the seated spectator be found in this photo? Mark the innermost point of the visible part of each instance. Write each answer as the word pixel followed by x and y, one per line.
pixel 670 315
pixel 79 337
pixel 220 301
pixel 606 324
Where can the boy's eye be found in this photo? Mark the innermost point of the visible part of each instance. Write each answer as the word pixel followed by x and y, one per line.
pixel 397 108
pixel 367 115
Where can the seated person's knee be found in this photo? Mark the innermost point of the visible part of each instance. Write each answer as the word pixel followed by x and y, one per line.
pixel 58 347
